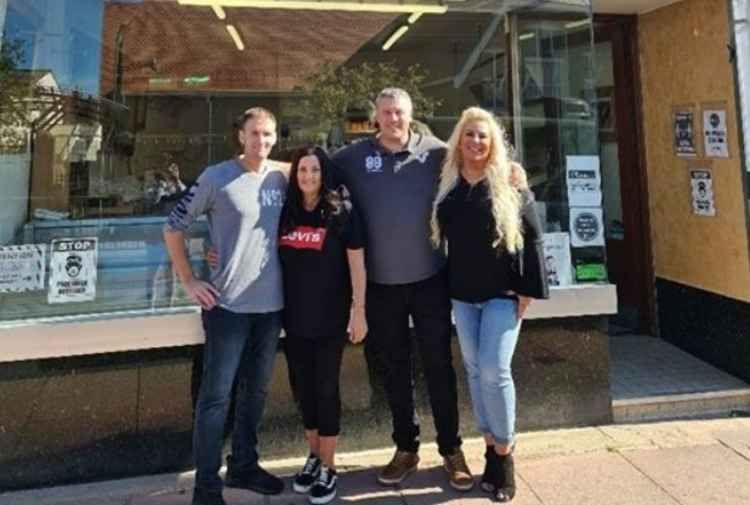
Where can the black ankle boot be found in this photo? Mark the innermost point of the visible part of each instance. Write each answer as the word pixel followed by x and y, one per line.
pixel 505 478
pixel 490 470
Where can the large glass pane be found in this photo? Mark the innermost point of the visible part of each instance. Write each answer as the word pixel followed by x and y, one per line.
pixel 111 109
pixel 557 136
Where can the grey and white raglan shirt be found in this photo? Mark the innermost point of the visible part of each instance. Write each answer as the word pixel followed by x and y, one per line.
pixel 243 210
pixel 394 193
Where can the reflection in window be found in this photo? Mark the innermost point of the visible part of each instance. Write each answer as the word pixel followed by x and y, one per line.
pixel 113 108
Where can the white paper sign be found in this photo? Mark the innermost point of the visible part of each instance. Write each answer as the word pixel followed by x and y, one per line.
pixel 586 227
pixel 684 134
pixel 715 133
pixel 584 181
pixel 22 268
pixel 557 259
pixel 702 192
pixel 72 270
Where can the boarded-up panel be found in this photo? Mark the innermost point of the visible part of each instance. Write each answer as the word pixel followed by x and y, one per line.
pixel 684 60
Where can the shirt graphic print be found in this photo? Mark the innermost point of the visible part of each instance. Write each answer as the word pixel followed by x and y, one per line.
pixel 304 237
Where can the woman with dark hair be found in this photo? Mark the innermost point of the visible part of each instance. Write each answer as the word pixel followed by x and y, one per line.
pixel 323 272
pixel 320 243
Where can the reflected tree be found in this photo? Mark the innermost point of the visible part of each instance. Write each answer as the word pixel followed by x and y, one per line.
pixel 334 90
pixel 14 98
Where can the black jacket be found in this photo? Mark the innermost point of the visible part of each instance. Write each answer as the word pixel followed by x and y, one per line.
pixel 529 274
pixel 477 271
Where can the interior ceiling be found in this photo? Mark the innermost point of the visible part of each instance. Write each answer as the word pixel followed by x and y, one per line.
pixel 629 6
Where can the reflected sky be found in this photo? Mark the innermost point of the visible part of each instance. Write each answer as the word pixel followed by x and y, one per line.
pixel 62 36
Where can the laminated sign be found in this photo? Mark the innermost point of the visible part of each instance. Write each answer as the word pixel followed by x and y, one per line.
pixel 586 228
pixel 702 192
pixel 22 268
pixel 72 270
pixel 557 259
pixel 715 133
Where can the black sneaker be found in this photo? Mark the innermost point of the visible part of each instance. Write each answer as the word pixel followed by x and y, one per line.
pixel 324 489
pixel 305 478
pixel 206 497
pixel 254 479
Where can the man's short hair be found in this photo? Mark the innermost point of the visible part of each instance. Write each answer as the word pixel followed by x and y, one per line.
pixel 254 113
pixel 395 94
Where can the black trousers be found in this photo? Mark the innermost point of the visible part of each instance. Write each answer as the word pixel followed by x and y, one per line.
pixel 314 368
pixel 389 339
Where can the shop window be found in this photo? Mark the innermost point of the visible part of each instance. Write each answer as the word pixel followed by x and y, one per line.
pixel 111 109
pixel 557 140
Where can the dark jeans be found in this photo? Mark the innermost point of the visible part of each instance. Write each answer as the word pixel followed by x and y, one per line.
pixel 388 311
pixel 314 369
pixel 241 345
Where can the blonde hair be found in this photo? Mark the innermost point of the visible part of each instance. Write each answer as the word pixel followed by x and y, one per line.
pixel 504 195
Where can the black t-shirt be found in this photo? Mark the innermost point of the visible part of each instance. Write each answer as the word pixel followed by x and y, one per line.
pixel 477 271
pixel 317 285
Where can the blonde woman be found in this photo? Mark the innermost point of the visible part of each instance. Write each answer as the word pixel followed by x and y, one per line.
pixel 485 213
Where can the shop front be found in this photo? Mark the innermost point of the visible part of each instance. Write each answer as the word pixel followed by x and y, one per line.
pixel 110 109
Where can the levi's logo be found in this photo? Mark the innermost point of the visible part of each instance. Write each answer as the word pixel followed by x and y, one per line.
pixel 304 237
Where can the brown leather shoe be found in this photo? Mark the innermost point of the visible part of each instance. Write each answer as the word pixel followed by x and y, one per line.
pixel 401 466
pixel 459 474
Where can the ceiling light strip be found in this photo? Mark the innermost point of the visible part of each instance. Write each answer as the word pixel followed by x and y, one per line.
pixel 236 37
pixel 324 5
pixel 394 37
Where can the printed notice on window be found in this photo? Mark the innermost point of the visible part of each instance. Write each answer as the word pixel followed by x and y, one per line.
pixel 557 259
pixel 22 268
pixel 586 228
pixel 72 270
pixel 584 181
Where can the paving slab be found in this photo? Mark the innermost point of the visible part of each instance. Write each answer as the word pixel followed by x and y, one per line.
pixel 697 475
pixel 361 488
pixel 591 479
pixel 570 441
pixel 735 440
pixel 429 486
pixel 97 501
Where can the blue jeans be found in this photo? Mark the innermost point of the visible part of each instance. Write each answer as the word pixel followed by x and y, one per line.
pixel 488 333
pixel 241 346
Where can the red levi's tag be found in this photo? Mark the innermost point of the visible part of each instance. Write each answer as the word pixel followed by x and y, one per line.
pixel 304 237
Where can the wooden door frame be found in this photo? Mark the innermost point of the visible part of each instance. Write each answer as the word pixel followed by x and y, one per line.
pixel 632 153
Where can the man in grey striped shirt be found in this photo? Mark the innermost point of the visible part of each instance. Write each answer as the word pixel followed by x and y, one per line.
pixel 242 199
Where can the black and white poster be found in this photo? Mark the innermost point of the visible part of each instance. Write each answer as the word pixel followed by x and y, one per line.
pixel 715 133
pixel 73 263
pixel 702 192
pixel 586 227
pixel 22 268
pixel 557 259
pixel 684 133
pixel 584 181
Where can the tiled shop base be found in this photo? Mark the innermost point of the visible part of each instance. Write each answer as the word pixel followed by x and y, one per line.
pixel 652 379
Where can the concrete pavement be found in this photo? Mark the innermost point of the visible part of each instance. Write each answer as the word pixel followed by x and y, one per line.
pixel 687 462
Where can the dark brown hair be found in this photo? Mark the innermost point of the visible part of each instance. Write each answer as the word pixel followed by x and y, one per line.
pixel 332 204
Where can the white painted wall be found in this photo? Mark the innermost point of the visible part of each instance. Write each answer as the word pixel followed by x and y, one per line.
pixel 741 14
pixel 14 194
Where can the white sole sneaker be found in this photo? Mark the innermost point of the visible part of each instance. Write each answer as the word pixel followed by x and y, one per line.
pixel 301 489
pixel 323 499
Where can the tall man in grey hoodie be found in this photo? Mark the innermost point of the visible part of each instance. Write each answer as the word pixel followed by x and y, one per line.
pixel 393 178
